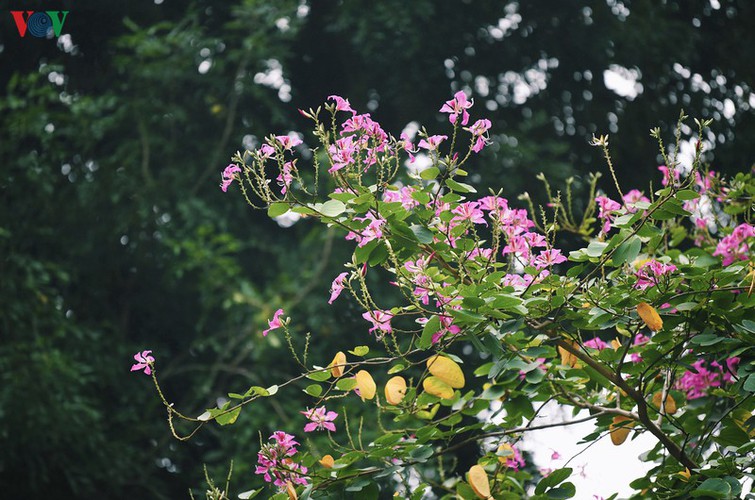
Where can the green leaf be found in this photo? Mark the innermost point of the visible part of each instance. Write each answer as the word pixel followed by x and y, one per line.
pixel 713 487
pixel 687 194
pixel 331 208
pixel 229 417
pixel 396 368
pixel 749 384
pixel 360 350
pixel 566 490
pixel 346 384
pixel 277 209
pixel 432 326
pixel 423 234
pixel 319 376
pixel 627 251
pixel 553 479
pixel 314 390
pixel 460 187
pixel 430 173
pixel 596 248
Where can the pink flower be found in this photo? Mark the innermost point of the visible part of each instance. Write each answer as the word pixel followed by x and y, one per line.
pixel 457 106
pixel 633 197
pixel 320 418
pixel 469 211
pixel 548 258
pixel 556 455
pixel 285 177
pixel 337 287
pixel 650 273
pixel 143 362
pixel 479 134
pixel 734 246
pixel 287 141
pixel 696 383
pixel 432 142
pixel 342 104
pixel 371 232
pixel 229 175
pixel 274 323
pixel 275 464
pixel 607 208
pixel 667 173
pixel 596 343
pixel 343 153
pixel 381 320
pixel 515 460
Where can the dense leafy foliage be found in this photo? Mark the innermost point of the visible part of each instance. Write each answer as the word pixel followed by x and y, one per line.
pixel 647 325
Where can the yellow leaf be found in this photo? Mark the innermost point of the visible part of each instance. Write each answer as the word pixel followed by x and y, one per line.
pixel 291 491
pixel 619 429
pixel 437 387
pixel 366 385
pixel 505 451
pixel 447 370
pixel 567 358
pixel 336 366
pixel 670 406
pixel 327 461
pixel 616 344
pixel 650 316
pixel 685 475
pixel 395 390
pixel 478 480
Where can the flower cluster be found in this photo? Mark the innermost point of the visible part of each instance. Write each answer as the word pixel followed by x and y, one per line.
pixel 510 456
pixel 735 246
pixel 695 383
pixel 650 272
pixel 275 462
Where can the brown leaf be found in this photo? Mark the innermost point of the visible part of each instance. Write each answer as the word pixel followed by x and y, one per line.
pixel 670 407
pixel 619 429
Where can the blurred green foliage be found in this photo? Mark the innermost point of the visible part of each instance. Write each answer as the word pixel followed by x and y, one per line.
pixel 114 236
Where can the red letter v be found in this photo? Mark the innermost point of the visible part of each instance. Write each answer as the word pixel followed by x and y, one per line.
pixel 18 16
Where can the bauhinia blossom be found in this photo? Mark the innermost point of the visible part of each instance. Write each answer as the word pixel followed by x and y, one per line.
pixel 734 246
pixel 337 287
pixel 342 104
pixel 696 383
pixel 229 175
pixel 381 320
pixel 275 464
pixel 274 323
pixel 432 142
pixel 650 273
pixel 320 418
pixel 143 362
pixel 479 134
pixel 288 142
pixel 371 232
pixel 286 176
pixel 457 106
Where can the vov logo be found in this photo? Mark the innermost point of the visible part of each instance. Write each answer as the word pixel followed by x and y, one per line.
pixel 39 24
